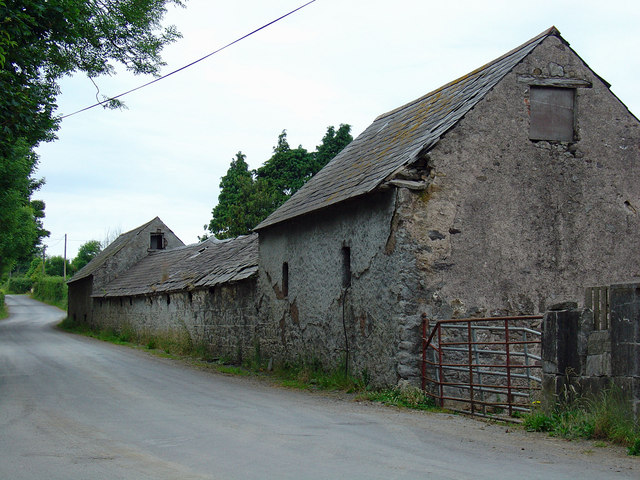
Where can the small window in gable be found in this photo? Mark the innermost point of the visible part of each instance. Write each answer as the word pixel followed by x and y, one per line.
pixel 285 279
pixel 157 241
pixel 552 113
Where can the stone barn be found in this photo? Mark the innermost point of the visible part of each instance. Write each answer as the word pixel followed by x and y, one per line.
pixel 124 252
pixel 503 192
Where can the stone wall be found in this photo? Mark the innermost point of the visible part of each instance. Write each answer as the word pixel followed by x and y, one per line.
pixel 506 226
pixel 577 353
pixel 224 318
pixel 368 320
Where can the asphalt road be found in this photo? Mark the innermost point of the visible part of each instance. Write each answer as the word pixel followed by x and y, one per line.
pixel 76 408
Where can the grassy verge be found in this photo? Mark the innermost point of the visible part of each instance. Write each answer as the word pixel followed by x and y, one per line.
pixel 173 344
pixel 4 312
pixel 606 416
pixel 309 374
pixel 62 305
pixel 303 374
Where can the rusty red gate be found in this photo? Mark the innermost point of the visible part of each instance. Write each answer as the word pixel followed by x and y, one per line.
pixel 483 366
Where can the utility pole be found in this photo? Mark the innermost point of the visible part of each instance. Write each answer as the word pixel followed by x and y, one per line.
pixel 64 263
pixel 44 248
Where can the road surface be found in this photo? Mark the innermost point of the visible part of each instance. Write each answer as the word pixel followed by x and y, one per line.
pixel 76 408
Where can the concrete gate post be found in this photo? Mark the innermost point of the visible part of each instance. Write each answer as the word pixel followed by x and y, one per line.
pixel 561 353
pixel 625 340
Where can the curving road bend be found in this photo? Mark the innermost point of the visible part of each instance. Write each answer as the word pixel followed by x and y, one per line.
pixel 76 408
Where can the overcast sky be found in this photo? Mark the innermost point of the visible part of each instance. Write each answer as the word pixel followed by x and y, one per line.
pixel 335 61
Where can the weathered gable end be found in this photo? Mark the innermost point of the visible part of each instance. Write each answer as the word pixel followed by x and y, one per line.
pixel 530 198
pixel 126 250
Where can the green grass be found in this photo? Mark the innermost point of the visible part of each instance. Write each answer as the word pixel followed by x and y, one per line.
pixel 122 337
pixel 310 374
pixel 61 304
pixel 174 343
pixel 606 416
pixel 413 398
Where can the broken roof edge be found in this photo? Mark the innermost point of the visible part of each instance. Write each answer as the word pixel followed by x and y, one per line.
pixel 552 31
pixel 186 253
pixel 424 148
pixel 179 290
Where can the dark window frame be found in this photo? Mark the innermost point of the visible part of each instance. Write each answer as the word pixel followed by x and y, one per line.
pixel 157 241
pixel 285 279
pixel 346 267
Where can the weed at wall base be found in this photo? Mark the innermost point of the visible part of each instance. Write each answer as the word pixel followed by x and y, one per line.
pixel 408 397
pixel 634 448
pixel 605 416
pixel 172 342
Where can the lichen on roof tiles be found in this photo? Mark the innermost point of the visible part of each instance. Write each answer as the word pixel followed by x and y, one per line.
pixel 395 138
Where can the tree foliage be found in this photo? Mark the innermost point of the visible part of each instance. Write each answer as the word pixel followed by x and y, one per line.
pixel 40 42
pixel 231 217
pixel 285 172
pixel 21 227
pixel 248 196
pixel 86 253
pixel 55 266
pixel 332 144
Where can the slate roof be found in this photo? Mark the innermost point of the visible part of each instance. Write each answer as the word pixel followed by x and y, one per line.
pixel 396 138
pixel 201 265
pixel 113 248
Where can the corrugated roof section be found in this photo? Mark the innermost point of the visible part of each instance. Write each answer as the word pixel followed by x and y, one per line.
pixel 202 265
pixel 397 137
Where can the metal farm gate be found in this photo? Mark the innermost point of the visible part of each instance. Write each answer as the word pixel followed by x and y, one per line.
pixel 483 366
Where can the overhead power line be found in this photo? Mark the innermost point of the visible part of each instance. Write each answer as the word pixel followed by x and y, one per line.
pixel 190 64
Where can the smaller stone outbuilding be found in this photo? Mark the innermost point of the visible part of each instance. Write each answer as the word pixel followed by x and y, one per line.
pixel 203 294
pixel 124 252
